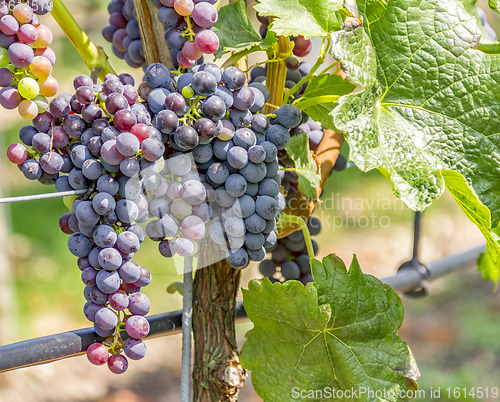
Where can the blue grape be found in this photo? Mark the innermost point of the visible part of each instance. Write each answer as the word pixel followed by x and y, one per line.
pixel 254 172
pixel 110 259
pixel 290 270
pixel 157 75
pixel 289 116
pixel 223 198
pixel 254 241
pixel 104 236
pixel 269 187
pixel 267 207
pixel 238 259
pixel 108 281
pixel 79 245
pixel 237 157
pixel 255 223
pixel 240 118
pixel 278 135
pixel 204 83
pixel 267 268
pixel 236 185
pixel 234 78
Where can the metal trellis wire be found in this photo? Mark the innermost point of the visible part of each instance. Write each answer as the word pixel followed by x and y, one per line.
pixel 68 344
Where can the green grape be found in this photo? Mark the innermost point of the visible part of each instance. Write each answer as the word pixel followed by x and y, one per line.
pixel 28 88
pixel 4 58
pixel 187 92
pixel 68 201
pixel 42 103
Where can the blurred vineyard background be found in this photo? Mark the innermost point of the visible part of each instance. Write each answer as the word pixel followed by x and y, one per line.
pixel 453 333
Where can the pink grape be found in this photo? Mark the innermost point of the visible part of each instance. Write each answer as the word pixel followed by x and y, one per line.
pixel 183 61
pixel 59 137
pixel 184 7
pixel 193 227
pixel 8 25
pixel 6 77
pixel 20 55
pixel 44 36
pixel 9 98
pixel 117 364
pixel 137 326
pixel 205 15
pixel 97 354
pixel 46 52
pixel 302 47
pixel 190 51
pixel 23 13
pixel 27 33
pixel 207 41
pixel 110 154
pixel 17 153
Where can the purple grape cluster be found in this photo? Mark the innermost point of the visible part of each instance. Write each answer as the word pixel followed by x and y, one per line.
pixel 100 140
pixel 187 25
pixel 123 33
pixel 289 259
pixel 25 59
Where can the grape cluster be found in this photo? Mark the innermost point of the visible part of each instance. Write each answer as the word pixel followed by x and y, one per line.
pixel 187 25
pixel 302 47
pixel 290 255
pixel 123 33
pixel 216 117
pixel 77 146
pixel 25 59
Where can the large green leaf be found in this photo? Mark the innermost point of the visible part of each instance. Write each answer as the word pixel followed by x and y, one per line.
pixel 236 33
pixel 305 166
pixel 324 85
pixel 430 101
pixel 479 215
pixel 340 332
pixel 303 17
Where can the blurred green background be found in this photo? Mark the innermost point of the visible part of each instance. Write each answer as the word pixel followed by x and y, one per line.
pixel 453 333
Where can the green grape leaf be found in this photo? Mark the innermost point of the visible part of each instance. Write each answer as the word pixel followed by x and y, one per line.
pixel 303 17
pixel 494 5
pixel 319 87
pixel 430 101
pixel 306 168
pixel 339 332
pixel 488 265
pixel 236 33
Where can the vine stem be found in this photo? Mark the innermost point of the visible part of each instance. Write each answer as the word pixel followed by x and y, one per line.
pixel 325 45
pixel 276 73
pixel 187 315
pixel 305 230
pixel 93 56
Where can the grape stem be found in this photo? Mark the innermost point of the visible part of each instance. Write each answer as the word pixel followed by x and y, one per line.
pixel 189 33
pixel 297 220
pixel 325 46
pixel 93 56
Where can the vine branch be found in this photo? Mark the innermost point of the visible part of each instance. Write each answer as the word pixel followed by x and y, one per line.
pixel 93 56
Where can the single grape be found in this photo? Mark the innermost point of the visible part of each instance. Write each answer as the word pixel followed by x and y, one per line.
pixel 97 354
